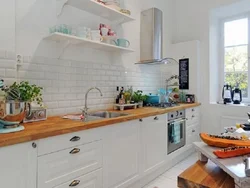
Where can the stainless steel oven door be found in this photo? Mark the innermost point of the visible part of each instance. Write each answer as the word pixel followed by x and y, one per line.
pixel 176 134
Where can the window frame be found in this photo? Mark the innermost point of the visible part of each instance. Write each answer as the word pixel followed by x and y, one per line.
pixel 222 51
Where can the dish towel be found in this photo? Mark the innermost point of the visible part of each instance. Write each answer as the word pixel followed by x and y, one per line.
pixel 176 133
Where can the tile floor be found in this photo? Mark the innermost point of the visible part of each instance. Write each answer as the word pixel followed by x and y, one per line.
pixel 169 178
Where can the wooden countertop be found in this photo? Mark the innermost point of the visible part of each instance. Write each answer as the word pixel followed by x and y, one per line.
pixel 54 126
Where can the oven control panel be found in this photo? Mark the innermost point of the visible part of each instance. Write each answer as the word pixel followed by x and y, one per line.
pixel 176 115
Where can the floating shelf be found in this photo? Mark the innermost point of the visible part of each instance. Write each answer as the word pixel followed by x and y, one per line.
pixel 60 37
pixel 101 10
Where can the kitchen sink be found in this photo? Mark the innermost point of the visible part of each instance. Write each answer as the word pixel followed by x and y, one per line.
pixel 105 114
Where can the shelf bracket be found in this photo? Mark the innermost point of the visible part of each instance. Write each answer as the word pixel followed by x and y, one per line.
pixel 59 6
pixel 66 45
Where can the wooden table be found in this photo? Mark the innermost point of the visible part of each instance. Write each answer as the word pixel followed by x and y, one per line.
pixel 234 167
pixel 205 175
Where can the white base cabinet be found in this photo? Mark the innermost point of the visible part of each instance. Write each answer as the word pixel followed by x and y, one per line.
pixel 153 143
pixel 124 155
pixel 18 166
pixel 121 154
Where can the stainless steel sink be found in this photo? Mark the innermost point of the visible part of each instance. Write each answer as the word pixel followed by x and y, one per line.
pixel 105 114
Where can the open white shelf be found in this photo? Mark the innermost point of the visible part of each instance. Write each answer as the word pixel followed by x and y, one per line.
pixel 60 37
pixel 101 10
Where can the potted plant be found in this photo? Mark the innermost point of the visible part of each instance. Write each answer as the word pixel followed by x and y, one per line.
pixel 17 100
pixel 139 98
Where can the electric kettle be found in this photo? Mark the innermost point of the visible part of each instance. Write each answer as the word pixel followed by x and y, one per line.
pixel 227 94
pixel 237 96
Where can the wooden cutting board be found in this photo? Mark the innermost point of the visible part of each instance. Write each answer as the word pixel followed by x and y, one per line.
pixel 205 175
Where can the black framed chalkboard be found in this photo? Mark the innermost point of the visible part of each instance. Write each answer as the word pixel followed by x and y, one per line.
pixel 184 73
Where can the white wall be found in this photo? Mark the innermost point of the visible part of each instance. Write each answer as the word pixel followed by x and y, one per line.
pixel 192 23
pixel 66 80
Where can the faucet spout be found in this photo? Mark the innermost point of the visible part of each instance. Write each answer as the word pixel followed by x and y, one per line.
pixel 85 110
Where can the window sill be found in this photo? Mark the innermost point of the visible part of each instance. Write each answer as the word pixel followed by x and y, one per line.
pixel 243 104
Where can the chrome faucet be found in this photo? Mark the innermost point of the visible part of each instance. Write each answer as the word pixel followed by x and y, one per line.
pixel 85 110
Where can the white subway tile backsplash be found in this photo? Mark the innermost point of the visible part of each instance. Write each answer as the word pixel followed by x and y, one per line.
pixel 2 72
pixel 62 104
pixel 65 82
pixel 10 73
pixel 51 90
pixel 2 54
pixel 7 64
pixel 57 97
pixel 51 104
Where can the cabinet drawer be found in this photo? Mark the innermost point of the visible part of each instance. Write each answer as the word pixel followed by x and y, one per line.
pixel 192 134
pixel 192 120
pixel 57 143
pixel 91 180
pixel 192 112
pixel 58 167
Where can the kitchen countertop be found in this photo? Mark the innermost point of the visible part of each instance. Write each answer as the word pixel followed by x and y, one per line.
pixel 54 126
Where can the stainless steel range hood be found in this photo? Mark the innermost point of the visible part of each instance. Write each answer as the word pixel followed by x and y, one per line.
pixel 152 38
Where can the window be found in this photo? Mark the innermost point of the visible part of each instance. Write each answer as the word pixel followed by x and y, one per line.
pixel 236 52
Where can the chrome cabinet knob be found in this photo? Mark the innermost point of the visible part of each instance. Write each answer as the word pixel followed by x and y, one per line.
pixel 34 145
pixel 156 118
pixel 193 131
pixel 193 116
pixel 141 120
pixel 193 110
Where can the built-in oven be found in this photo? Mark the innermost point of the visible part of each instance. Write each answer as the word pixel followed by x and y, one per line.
pixel 176 130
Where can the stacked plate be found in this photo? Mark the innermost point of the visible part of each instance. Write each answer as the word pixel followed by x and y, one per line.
pixel 115 4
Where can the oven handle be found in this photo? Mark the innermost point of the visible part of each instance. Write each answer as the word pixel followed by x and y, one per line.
pixel 177 120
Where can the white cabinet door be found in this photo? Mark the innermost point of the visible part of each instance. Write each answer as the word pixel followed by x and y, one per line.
pixel 121 150
pixel 153 141
pixel 18 166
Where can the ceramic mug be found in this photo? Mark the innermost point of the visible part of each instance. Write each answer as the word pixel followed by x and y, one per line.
pixel 83 32
pixel 122 43
pixel 96 36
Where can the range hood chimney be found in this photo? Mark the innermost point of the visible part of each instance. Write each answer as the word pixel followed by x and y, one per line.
pixel 152 38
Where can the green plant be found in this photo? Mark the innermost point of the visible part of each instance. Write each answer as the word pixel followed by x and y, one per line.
pixel 138 96
pixel 25 92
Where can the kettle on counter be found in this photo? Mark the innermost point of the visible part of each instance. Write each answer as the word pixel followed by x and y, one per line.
pixel 227 94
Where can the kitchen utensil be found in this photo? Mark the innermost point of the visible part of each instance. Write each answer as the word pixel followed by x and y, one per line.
pixel 153 99
pixel 14 111
pixel 122 43
pixel 227 94
pixel 96 36
pixel 237 96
